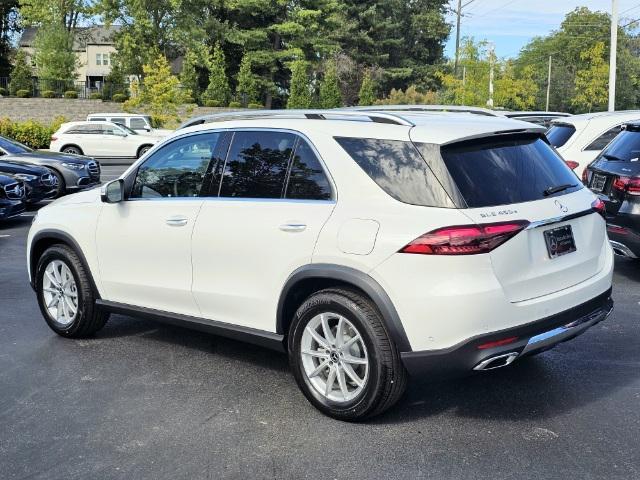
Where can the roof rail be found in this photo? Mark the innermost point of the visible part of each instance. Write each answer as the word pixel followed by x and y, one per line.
pixel 428 108
pixel 348 115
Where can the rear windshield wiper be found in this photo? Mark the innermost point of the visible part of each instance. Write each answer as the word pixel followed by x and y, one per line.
pixel 613 158
pixel 558 188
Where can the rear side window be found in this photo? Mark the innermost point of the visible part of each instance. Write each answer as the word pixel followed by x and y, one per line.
pixel 500 172
pixel 559 134
pixel 257 164
pixel 625 147
pixel 97 119
pixel 604 139
pixel 85 129
pixel 307 180
pixel 119 121
pixel 397 168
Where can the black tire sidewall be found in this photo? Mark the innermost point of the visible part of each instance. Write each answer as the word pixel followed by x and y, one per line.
pixel 335 303
pixel 56 253
pixel 61 183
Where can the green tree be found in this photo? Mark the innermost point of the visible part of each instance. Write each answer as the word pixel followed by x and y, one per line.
pixel 160 94
pixel 592 82
pixel 473 88
pixel 515 93
pixel 8 27
pixel 330 96
pixel 218 89
pixel 55 59
pixel 367 94
pixel 21 74
pixel 299 92
pixel 65 13
pixel 247 91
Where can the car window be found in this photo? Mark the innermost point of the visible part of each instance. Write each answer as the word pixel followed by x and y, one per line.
pixel 560 133
pixel 178 169
pixel 604 139
pixel 138 123
pixel 11 146
pixel 256 166
pixel 399 169
pixel 307 180
pixel 97 119
pixel 624 148
pixel 111 130
pixel 119 121
pixel 85 129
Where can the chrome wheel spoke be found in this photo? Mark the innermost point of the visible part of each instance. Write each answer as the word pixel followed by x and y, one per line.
pixel 316 336
pixel 331 379
pixel 59 293
pixel 350 342
pixel 319 368
pixel 324 318
pixel 348 369
pixel 51 277
pixel 342 382
pixel 354 360
pixel 316 353
pixel 339 334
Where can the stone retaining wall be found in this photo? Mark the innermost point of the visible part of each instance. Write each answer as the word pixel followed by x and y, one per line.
pixel 43 110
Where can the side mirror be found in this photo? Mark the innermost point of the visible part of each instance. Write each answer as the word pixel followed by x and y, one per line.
pixel 147 129
pixel 113 191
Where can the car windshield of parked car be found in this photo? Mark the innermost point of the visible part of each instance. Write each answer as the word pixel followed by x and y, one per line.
pixel 11 146
pixel 624 148
pixel 560 133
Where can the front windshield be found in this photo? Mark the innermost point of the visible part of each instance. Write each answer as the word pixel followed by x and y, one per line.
pixel 128 130
pixel 11 146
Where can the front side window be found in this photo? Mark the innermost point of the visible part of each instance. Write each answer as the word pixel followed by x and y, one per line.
pixel 604 139
pixel 138 123
pixel 256 166
pixel 307 180
pixel 177 170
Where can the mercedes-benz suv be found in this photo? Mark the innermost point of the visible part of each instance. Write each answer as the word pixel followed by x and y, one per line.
pixel 366 245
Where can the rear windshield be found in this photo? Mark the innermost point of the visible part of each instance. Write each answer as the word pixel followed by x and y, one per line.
pixel 397 168
pixel 559 134
pixel 505 171
pixel 624 148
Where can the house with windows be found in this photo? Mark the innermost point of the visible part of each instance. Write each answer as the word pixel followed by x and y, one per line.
pixel 93 47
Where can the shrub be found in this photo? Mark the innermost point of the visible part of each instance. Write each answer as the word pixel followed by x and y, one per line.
pixel 235 105
pixel 3 92
pixel 119 97
pixel 23 93
pixel 70 94
pixel 49 94
pixel 212 103
pixel 95 96
pixel 255 106
pixel 32 134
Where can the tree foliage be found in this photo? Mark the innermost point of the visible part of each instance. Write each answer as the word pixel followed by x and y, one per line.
pixel 300 93
pixel 330 96
pixel 54 55
pixel 21 74
pixel 218 90
pixel 65 13
pixel 160 94
pixel 8 27
pixel 247 90
pixel 591 85
pixel 367 94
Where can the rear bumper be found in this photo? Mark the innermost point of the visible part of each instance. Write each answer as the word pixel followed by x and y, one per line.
pixel 531 338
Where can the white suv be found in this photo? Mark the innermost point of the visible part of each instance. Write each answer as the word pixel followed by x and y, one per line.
pixel 366 245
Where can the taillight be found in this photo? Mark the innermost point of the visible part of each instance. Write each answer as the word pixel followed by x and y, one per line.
pixel 465 239
pixel 599 206
pixel 571 164
pixel 630 185
pixel 585 176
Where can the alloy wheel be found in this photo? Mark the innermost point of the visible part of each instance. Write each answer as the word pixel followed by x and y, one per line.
pixel 60 293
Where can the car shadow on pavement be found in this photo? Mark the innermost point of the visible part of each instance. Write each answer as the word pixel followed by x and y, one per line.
pixel 628 268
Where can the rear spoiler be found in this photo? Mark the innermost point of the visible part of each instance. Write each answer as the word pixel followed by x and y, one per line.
pixel 533 130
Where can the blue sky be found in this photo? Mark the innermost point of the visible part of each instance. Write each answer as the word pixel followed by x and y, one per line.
pixel 510 24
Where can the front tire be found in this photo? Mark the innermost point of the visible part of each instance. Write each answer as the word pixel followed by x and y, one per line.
pixel 61 185
pixel 342 356
pixel 143 149
pixel 65 294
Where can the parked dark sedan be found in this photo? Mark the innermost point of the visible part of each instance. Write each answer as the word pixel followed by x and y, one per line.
pixel 12 193
pixel 40 183
pixel 615 177
pixel 72 172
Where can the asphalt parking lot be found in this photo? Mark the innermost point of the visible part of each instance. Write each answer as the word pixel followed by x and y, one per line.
pixel 143 400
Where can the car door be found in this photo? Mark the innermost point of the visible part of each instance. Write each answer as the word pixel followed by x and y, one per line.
pixel 144 243
pixel 274 197
pixel 118 142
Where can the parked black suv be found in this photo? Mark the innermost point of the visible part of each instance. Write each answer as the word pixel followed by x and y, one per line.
pixel 40 183
pixel 615 177
pixel 12 193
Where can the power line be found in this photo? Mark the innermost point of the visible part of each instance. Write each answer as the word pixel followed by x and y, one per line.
pixel 495 9
pixel 629 9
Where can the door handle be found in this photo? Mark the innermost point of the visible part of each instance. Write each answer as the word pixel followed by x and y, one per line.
pixel 177 221
pixel 293 227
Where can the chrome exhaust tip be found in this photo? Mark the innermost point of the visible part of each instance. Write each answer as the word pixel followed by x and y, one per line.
pixel 498 361
pixel 621 249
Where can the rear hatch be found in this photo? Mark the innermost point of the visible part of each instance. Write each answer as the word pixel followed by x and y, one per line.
pixel 615 173
pixel 507 178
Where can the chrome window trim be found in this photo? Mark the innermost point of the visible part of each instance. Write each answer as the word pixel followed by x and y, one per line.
pixel 563 218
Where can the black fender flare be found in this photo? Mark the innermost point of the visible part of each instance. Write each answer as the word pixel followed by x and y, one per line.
pixel 356 278
pixel 60 237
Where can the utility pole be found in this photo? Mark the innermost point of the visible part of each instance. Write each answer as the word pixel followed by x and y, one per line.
pixel 548 84
pixel 458 15
pixel 491 64
pixel 464 75
pixel 613 55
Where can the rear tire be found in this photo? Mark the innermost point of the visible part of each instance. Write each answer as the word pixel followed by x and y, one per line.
pixel 372 378
pixel 60 275
pixel 143 149
pixel 72 149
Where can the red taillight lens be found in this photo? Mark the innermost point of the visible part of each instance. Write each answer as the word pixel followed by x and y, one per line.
pixel 630 185
pixel 599 206
pixel 466 239
pixel 571 164
pixel 585 176
pixel 497 343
